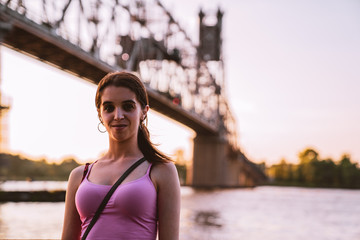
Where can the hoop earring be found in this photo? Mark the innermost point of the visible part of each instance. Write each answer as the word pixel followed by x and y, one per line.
pixel 98 127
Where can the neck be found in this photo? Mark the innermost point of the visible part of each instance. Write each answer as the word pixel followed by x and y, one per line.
pixel 123 151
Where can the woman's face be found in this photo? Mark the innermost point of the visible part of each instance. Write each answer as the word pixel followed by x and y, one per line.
pixel 121 113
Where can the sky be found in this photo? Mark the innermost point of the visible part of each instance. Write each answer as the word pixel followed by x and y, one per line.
pixel 292 80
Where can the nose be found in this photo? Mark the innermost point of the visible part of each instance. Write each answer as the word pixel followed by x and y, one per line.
pixel 118 114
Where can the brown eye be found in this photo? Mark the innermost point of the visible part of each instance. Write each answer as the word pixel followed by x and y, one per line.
pixel 108 108
pixel 128 107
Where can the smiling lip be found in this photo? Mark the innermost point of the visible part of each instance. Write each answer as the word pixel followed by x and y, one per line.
pixel 118 126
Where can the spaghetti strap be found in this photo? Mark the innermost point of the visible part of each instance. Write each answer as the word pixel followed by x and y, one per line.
pixel 86 169
pixel 148 170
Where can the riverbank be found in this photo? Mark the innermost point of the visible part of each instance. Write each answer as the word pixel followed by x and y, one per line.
pixel 32 191
pixel 33 196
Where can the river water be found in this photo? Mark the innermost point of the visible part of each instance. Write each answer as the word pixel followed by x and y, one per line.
pixel 261 213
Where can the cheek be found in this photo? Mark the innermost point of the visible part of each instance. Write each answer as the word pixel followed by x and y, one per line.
pixel 104 117
pixel 135 118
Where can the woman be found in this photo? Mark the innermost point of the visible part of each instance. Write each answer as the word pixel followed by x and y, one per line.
pixel 148 201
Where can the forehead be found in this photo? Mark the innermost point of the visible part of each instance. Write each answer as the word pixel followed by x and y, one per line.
pixel 117 94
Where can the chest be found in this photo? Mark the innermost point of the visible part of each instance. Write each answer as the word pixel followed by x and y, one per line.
pixel 108 174
pixel 137 198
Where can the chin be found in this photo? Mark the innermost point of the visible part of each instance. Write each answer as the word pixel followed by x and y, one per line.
pixel 121 139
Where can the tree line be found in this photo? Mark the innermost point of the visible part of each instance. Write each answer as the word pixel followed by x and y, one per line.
pixel 312 171
pixel 16 167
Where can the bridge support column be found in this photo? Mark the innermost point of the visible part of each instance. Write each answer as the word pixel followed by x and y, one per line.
pixel 207 169
pixel 216 165
pixel 212 166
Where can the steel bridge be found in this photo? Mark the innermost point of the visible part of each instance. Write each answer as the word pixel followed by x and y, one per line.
pixel 184 80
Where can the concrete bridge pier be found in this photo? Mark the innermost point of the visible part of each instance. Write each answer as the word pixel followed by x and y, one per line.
pixel 216 164
pixel 207 170
pixel 212 163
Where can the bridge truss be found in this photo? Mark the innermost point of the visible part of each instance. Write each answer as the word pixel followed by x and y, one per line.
pixel 140 36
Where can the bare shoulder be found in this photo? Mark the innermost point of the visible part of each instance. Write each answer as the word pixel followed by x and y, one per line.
pixel 77 172
pixel 76 176
pixel 164 173
pixel 164 169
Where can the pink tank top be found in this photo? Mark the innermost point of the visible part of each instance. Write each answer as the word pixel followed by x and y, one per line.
pixel 131 212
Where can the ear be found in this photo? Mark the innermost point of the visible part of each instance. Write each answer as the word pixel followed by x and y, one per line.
pixel 144 111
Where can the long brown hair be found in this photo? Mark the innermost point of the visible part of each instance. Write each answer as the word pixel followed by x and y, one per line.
pixel 132 82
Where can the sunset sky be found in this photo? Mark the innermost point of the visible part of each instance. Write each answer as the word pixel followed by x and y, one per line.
pixel 292 75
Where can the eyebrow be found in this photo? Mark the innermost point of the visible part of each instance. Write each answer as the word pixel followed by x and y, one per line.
pixel 125 101
pixel 129 101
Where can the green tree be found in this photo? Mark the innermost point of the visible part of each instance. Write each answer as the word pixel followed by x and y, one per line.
pixel 325 173
pixel 349 173
pixel 281 171
pixel 15 167
pixel 313 171
pixel 307 167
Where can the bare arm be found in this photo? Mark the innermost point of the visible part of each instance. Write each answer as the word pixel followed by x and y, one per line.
pixel 72 223
pixel 168 187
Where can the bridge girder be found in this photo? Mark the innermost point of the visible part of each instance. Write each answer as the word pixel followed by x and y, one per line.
pixel 40 42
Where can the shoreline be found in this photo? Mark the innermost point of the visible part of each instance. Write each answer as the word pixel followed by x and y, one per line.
pixel 32 196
